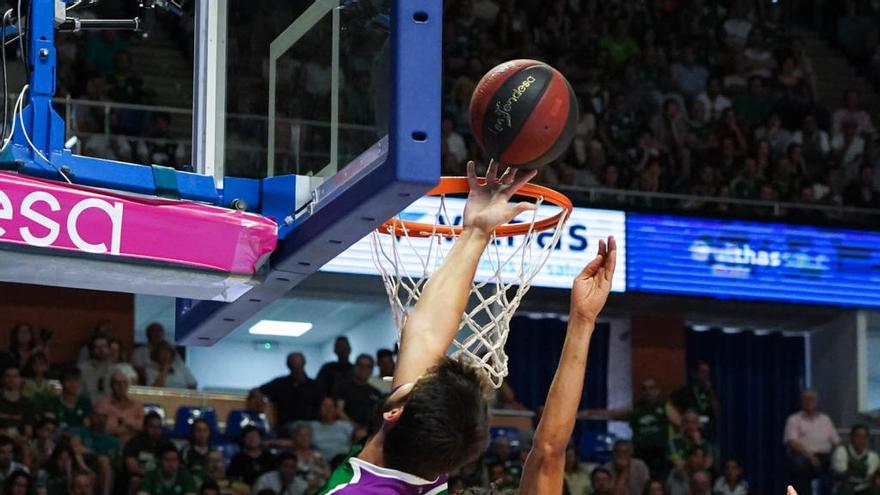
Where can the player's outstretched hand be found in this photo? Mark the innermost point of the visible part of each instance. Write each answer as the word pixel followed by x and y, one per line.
pixel 488 204
pixel 790 491
pixel 590 289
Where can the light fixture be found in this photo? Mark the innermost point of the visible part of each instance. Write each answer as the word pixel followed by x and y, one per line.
pixel 280 328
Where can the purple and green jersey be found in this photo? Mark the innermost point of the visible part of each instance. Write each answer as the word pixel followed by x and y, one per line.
pixel 358 477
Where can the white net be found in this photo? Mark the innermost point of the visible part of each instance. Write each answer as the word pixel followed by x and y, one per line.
pixel 504 275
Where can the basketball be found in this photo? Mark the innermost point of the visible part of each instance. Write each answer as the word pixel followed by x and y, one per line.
pixel 524 114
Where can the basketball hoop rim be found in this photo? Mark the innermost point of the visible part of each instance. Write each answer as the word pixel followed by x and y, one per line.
pixel 459 185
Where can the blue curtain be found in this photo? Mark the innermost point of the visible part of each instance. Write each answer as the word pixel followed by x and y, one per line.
pixel 758 379
pixel 534 347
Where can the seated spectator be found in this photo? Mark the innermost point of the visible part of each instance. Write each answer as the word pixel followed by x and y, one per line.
pixel 8 464
pixel 195 454
pixel 852 111
pixel 701 483
pixel 690 436
pixel 215 472
pixel 848 150
pixel 357 400
pixel 310 464
pixel 168 478
pixel 332 435
pixel 632 473
pixel 56 478
pixel 22 343
pixel 17 412
pixel 337 372
pixel 43 444
pixel 618 127
pixel 252 460
pixel 679 480
pixel 778 138
pixel 81 484
pixel 603 483
pixel 759 59
pixel 140 357
pixel 713 100
pixel 700 396
pixel 621 46
pixel 19 483
pixel 650 419
pixel 97 447
pixel 71 408
pixel 124 414
pixel 36 386
pixel 754 106
pixel 747 183
pixel 810 437
pixel 120 363
pixel 855 465
pixel 690 76
pixel 655 487
pixel 737 27
pixel 815 146
pixel 500 478
pixel 283 479
pixel 577 475
pixel 385 362
pixel 455 144
pixel 296 397
pixel 96 370
pixel 732 482
pixel 167 371
pixel 139 454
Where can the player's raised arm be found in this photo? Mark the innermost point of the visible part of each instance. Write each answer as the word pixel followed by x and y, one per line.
pixel 545 466
pixel 433 323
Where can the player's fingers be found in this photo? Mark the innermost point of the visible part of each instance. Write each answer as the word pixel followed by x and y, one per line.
pixel 591 268
pixel 508 176
pixel 791 491
pixel 492 173
pixel 525 206
pixel 473 183
pixel 611 264
pixel 521 181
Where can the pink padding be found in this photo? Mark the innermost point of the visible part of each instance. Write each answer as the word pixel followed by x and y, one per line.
pixel 49 214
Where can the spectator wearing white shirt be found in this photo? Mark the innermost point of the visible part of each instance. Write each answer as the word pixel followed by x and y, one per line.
pixel 282 480
pixel 331 435
pixel 455 144
pixel 810 437
pixel 712 99
pixel 848 150
pixel 852 111
pixel 854 465
pixel 166 371
pixel 731 483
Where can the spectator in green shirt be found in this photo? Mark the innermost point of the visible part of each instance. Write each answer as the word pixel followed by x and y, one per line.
pixel 98 447
pixel 16 411
pixel 18 483
pixel 620 45
pixel 169 478
pixel 195 454
pixel 70 408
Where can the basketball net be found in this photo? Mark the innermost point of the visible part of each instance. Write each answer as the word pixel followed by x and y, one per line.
pixel 502 280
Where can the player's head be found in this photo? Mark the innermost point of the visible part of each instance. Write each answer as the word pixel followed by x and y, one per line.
pixel 442 423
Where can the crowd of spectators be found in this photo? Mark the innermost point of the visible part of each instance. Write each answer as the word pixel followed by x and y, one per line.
pixel 713 99
pixel 707 99
pixel 77 429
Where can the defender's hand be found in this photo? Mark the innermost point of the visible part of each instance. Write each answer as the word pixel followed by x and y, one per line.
pixel 488 205
pixel 590 289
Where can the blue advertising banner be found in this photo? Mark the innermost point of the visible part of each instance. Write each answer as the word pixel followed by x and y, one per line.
pixel 753 260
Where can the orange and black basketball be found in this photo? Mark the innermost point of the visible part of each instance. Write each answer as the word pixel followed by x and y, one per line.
pixel 524 114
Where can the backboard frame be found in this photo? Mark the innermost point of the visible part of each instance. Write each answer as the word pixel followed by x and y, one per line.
pixel 378 184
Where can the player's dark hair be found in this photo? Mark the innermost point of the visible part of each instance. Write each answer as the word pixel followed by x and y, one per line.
pixel 444 423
